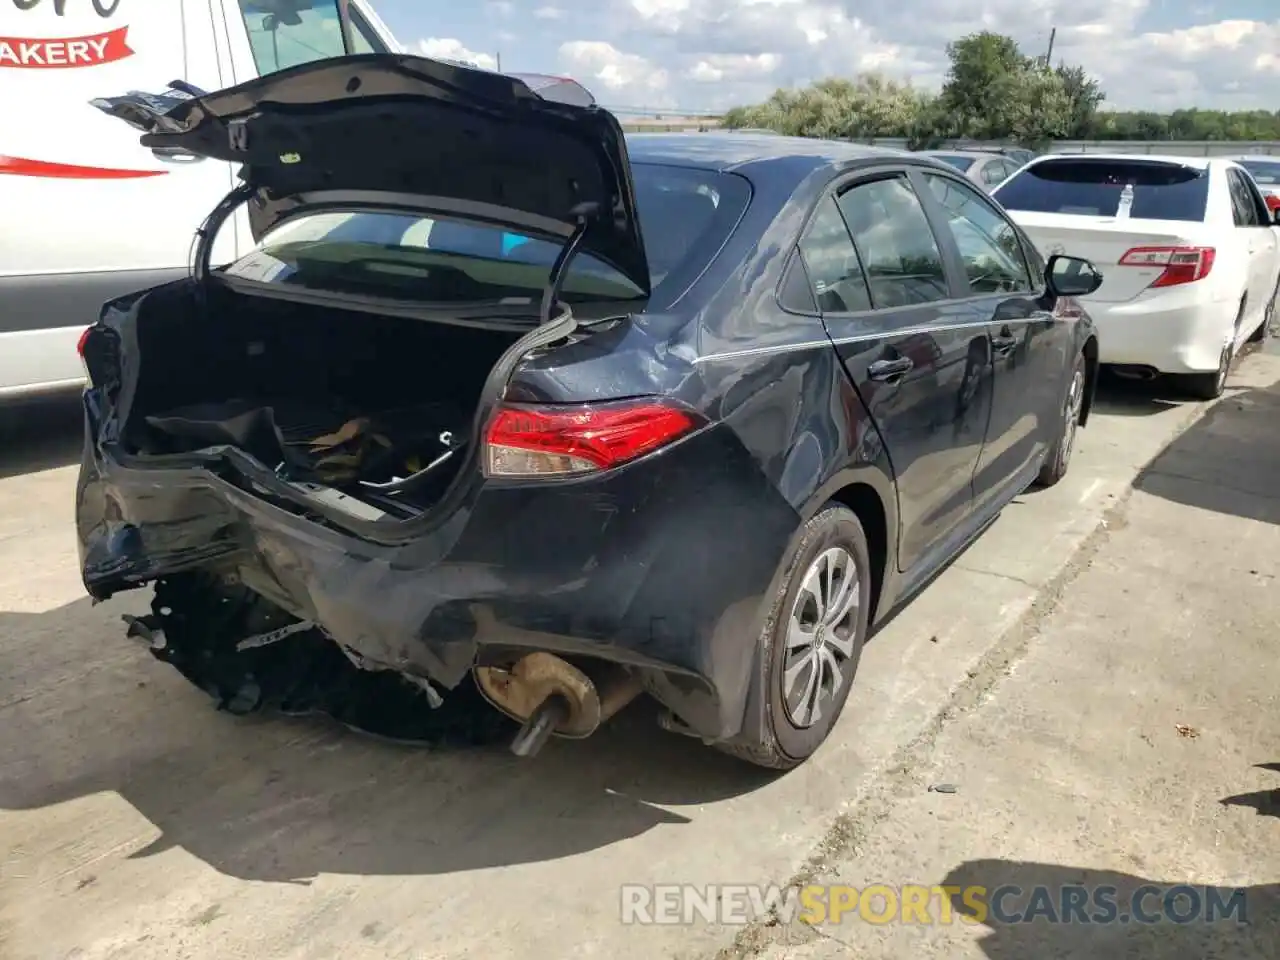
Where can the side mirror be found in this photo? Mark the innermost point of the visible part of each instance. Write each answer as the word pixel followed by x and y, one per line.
pixel 1071 276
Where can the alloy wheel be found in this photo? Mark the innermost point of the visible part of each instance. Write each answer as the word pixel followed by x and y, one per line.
pixel 1224 367
pixel 820 636
pixel 1071 415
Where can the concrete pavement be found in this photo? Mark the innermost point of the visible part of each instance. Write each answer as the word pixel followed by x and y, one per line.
pixel 1125 736
pixel 137 822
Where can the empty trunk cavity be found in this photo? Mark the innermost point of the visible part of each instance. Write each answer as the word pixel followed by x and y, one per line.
pixel 374 409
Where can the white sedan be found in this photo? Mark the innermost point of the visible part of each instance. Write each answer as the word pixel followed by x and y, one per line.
pixel 1186 246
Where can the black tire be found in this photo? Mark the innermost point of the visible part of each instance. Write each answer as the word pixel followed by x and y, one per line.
pixel 1059 458
pixel 1210 386
pixel 785 743
pixel 1268 319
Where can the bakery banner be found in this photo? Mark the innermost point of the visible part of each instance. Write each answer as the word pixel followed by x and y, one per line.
pixel 59 53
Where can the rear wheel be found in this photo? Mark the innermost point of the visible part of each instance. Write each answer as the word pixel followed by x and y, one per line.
pixel 1059 458
pixel 812 641
pixel 1210 386
pixel 1268 319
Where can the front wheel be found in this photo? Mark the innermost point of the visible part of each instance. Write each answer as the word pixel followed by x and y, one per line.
pixel 1059 458
pixel 811 642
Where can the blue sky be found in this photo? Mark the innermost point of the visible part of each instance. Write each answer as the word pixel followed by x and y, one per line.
pixel 708 54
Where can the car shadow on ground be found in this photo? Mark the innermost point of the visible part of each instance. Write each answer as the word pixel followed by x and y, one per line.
pixel 40 435
pixel 282 800
pixel 1266 803
pixel 1127 397
pixel 1193 921
pixel 1227 462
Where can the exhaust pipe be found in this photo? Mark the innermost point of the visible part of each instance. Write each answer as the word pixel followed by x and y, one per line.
pixel 1135 372
pixel 550 696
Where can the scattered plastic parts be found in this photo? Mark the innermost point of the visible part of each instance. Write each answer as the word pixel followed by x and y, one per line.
pixel 1185 731
pixel 275 636
pixel 147 629
pixel 943 788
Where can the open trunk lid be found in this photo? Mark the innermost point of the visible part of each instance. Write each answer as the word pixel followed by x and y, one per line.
pixel 399 130
pixel 1105 241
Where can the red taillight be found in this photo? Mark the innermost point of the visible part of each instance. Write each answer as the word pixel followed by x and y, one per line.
pixel 548 441
pixel 1273 201
pixel 1181 264
pixel 80 348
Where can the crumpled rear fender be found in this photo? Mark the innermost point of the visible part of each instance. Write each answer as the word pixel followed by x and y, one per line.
pixel 665 565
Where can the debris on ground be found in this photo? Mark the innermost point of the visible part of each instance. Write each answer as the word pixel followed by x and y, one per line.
pixel 1185 731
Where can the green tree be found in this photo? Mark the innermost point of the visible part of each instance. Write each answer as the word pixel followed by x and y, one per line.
pixel 992 92
pixel 984 70
pixel 1030 107
pixel 864 107
pixel 1085 96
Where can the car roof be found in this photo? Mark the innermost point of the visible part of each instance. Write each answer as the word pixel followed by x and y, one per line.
pixel 961 152
pixel 729 151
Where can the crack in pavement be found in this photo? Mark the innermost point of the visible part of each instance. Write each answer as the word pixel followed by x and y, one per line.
pixel 1002 576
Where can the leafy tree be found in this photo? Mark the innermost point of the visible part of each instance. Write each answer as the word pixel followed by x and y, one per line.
pixel 866 106
pixel 992 92
pixel 1085 96
pixel 984 70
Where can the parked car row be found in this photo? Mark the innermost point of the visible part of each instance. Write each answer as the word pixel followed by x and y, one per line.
pixel 985 168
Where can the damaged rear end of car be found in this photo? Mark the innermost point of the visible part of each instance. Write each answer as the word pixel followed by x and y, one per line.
pixel 358 446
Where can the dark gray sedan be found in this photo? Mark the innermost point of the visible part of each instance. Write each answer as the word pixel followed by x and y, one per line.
pixel 457 434
pixel 984 168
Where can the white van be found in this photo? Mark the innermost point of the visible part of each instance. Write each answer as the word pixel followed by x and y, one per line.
pixel 88 214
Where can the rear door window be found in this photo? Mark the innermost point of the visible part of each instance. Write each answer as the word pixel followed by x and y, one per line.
pixel 287 33
pixel 832 262
pixel 895 243
pixel 1242 211
pixel 1091 187
pixel 1253 209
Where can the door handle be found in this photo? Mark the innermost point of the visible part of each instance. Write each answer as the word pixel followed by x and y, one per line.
pixel 889 369
pixel 1004 343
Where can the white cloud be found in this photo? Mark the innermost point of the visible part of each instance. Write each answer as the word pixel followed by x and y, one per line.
pixel 708 54
pixel 447 48
pixel 615 77
pixel 720 67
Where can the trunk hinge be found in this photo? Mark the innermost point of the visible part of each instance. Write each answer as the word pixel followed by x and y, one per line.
pixel 583 215
pixel 202 252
